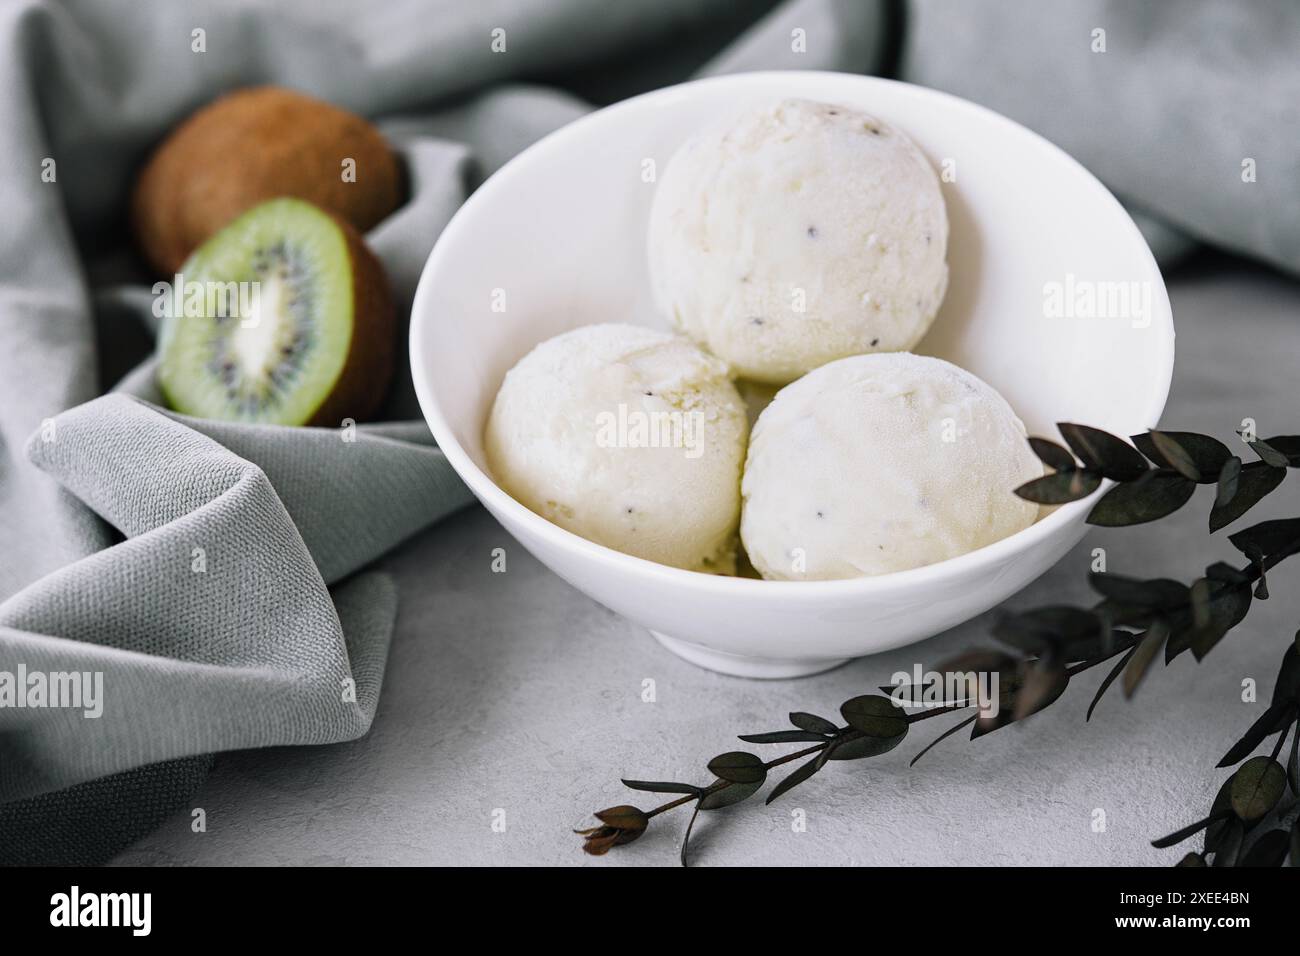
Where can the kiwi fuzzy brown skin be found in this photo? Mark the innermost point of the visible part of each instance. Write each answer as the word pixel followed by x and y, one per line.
pixel 368 371
pixel 252 145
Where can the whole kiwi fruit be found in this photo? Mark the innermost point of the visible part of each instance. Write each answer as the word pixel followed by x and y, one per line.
pixel 252 145
pixel 284 318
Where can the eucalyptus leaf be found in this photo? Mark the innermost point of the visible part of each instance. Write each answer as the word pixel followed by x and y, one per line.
pixel 854 745
pixel 1153 496
pixel 987 723
pixel 1201 592
pixel 822 757
pixel 875 716
pixel 1053 455
pixel 1060 488
pixel 1157 593
pixel 1045 682
pixel 813 723
pixel 962 668
pixel 1287 685
pixel 1257 786
pixel 731 794
pixel 1228 478
pixel 914 695
pixel 784 737
pixel 686 837
pixel 737 766
pixel 1274 539
pixel 1207 454
pixel 1110 679
pixel 1221 810
pixel 1288 445
pixel 1226 573
pixel 1252 738
pixel 1180 633
pixel 1177 457
pixel 796 777
pixel 655 786
pixel 1254 482
pixel 1192 859
pixel 1227 608
pixel 1268 454
pixel 1144 654
pixel 1112 456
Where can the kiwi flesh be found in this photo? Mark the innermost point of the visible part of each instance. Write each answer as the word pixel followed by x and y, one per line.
pixel 283 317
pixel 253 145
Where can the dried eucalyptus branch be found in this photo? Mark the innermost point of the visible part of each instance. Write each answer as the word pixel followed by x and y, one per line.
pixel 1041 649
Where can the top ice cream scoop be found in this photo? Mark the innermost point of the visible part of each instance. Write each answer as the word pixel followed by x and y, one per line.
pixel 797 234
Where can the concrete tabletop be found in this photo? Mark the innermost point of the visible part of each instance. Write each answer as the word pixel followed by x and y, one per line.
pixel 513 704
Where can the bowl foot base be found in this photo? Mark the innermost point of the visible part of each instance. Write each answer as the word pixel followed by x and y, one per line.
pixel 740 665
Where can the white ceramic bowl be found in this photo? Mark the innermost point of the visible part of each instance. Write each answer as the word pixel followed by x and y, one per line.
pixel 558 237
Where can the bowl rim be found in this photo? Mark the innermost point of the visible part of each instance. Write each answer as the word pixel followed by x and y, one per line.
pixel 501 503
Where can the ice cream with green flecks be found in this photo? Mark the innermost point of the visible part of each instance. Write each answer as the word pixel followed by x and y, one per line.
pixel 798 233
pixel 630 437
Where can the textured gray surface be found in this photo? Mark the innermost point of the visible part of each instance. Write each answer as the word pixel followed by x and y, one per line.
pixel 514 692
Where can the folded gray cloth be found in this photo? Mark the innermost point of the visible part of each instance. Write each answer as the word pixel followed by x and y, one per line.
pixel 212 573
pixel 213 622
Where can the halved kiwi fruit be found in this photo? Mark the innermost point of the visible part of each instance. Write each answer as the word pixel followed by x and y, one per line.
pixel 284 318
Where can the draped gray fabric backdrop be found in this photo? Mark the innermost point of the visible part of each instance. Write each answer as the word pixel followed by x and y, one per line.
pixel 214 573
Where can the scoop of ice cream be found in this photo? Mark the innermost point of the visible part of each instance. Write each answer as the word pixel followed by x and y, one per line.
pixel 797 234
pixel 627 436
pixel 880 463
